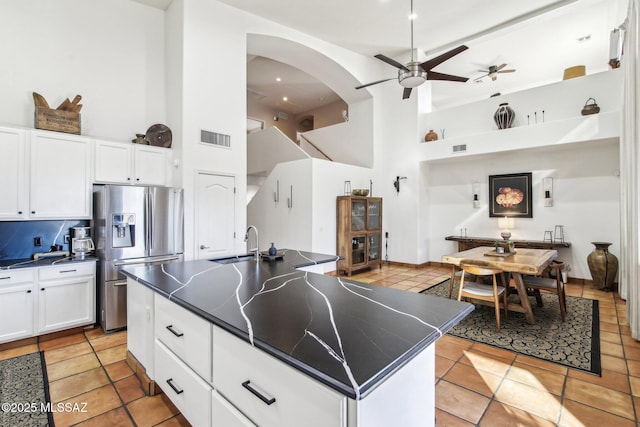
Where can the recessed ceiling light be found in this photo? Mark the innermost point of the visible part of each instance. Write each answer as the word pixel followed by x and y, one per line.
pixel 278 79
pixel 584 38
pixel 285 99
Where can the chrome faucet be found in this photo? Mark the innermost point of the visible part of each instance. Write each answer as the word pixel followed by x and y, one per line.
pixel 257 248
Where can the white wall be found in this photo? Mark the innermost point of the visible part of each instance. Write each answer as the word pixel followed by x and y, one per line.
pixel 111 53
pixel 269 146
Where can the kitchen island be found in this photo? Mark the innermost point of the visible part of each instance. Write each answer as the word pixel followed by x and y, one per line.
pixel 288 346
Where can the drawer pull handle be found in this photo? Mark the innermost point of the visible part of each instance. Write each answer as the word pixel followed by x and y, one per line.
pixel 247 385
pixel 176 389
pixel 174 332
pixel 6 277
pixel 67 271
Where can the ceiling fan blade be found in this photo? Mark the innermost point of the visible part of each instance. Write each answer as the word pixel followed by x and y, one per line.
pixel 431 63
pixel 501 67
pixel 374 83
pixel 390 61
pixel 432 75
pixel 507 71
pixel 406 93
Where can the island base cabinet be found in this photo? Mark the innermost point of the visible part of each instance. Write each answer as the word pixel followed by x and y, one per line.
pixel 190 394
pixel 224 414
pixel 270 393
pixel 406 398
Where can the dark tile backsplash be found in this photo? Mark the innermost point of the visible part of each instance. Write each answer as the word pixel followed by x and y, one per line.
pixel 16 237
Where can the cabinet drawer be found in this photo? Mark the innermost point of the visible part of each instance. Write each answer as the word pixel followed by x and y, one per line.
pixel 224 414
pixel 186 334
pixel 287 396
pixel 187 391
pixel 12 277
pixel 67 270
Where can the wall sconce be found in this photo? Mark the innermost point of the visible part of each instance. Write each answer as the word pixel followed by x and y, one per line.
pixel 275 118
pixel 396 183
pixel 476 194
pixel 506 224
pixel 547 188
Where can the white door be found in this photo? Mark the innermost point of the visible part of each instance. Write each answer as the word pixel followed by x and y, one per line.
pixel 215 215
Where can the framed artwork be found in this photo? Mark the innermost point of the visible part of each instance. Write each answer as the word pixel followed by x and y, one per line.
pixel 510 195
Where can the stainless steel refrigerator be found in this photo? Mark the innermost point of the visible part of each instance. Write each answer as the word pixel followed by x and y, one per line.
pixel 132 225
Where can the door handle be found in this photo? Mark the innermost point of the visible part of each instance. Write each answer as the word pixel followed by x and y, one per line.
pixel 204 247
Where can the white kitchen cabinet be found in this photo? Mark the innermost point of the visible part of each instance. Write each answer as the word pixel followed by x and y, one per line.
pixel 190 394
pixel 13 203
pixel 224 414
pixel 60 176
pixel 66 296
pixel 140 324
pixel 185 334
pixel 128 163
pixel 269 392
pixel 16 304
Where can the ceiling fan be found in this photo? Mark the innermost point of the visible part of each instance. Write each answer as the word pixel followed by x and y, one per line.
pixel 493 72
pixel 414 73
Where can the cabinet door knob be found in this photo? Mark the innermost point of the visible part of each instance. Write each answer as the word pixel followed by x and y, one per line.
pixel 128 178
pixel 137 179
pixel 42 289
pixel 29 291
pixel 33 212
pixel 19 212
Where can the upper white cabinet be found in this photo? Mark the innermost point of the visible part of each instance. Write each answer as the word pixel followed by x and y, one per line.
pixel 60 176
pixel 127 163
pixel 12 174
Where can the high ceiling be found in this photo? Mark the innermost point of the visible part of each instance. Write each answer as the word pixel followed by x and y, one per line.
pixel 539 38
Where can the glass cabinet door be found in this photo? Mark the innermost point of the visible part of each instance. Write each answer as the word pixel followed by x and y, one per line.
pixel 358 250
pixel 374 248
pixel 373 215
pixel 358 208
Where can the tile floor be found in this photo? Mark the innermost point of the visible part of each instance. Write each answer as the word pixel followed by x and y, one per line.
pixel 475 384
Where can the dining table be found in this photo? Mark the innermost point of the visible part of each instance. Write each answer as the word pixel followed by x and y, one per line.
pixel 520 262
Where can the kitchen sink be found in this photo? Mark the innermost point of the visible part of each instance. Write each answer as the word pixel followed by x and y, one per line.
pixel 234 259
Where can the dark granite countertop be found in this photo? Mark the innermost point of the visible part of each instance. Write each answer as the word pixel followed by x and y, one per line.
pixel 12 264
pixel 346 334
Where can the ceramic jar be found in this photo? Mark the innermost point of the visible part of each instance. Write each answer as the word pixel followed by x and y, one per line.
pixel 431 136
pixel 504 116
pixel 603 266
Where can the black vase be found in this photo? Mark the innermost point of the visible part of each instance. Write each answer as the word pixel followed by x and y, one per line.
pixel 272 250
pixel 504 116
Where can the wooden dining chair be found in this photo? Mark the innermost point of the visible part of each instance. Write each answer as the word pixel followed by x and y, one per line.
pixel 549 284
pixel 456 274
pixel 483 293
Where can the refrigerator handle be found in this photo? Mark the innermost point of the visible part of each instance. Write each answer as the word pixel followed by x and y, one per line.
pixel 150 222
pixel 146 220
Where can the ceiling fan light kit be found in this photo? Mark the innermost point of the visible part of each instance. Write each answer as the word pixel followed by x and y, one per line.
pixel 414 73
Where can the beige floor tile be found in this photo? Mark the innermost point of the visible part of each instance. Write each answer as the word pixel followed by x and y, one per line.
pixel 460 402
pixel 538 378
pixel 634 367
pixel 577 414
pixel 450 350
pixel 635 387
pixel 74 385
pixel 95 402
pixel 72 366
pixel 537 402
pixel 149 411
pixel 110 340
pixel 118 370
pixel 549 366
pixel 129 389
pixel 445 419
pixel 112 354
pixel 612 363
pixel 470 378
pixel 502 354
pixel 599 397
pixel 443 365
pixel 94 333
pixel 611 337
pixel 62 341
pixel 632 353
pixel 116 417
pixel 63 353
pixel 611 349
pixel 486 362
pixel 18 351
pixel 502 415
pixel 608 379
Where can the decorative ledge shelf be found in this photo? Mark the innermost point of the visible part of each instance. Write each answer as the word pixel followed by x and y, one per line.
pixel 465 243
pixel 597 127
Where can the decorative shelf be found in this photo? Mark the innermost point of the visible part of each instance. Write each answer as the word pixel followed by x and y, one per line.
pixel 465 243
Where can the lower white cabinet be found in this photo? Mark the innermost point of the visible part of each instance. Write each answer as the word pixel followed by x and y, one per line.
pixel 66 296
pixel 190 394
pixel 140 324
pixel 16 304
pixel 268 391
pixel 224 414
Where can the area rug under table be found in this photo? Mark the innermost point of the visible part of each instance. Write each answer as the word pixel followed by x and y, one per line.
pixel 574 343
pixel 24 392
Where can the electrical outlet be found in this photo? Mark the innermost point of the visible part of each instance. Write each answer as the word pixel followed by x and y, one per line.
pixel 37 241
pixel 67 238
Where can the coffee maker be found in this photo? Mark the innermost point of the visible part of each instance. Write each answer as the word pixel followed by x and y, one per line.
pixel 81 243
